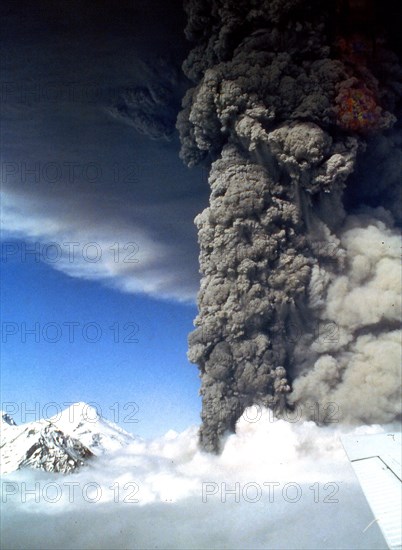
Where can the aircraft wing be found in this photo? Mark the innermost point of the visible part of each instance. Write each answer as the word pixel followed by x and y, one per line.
pixel 376 460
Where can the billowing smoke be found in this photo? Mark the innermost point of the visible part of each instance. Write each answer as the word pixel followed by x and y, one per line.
pixel 299 299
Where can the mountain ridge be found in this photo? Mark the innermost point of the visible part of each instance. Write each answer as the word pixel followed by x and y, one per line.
pixel 62 443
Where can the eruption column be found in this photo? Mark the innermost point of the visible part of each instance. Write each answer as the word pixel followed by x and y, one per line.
pixel 268 109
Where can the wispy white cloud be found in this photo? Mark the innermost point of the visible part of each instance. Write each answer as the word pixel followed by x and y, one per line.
pixel 90 239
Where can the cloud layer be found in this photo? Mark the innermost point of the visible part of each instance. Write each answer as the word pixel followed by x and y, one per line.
pixel 166 493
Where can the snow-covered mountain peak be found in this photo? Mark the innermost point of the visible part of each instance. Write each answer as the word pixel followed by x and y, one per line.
pixel 83 422
pixel 61 443
pixel 76 413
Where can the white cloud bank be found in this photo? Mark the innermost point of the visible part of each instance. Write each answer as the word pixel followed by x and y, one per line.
pixel 295 489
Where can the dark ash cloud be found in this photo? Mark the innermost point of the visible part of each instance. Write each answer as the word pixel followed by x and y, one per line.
pixel 290 108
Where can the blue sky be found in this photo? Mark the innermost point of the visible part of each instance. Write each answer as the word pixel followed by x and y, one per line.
pixel 90 155
pixel 152 373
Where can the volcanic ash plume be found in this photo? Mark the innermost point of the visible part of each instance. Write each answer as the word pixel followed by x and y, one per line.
pixel 287 112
